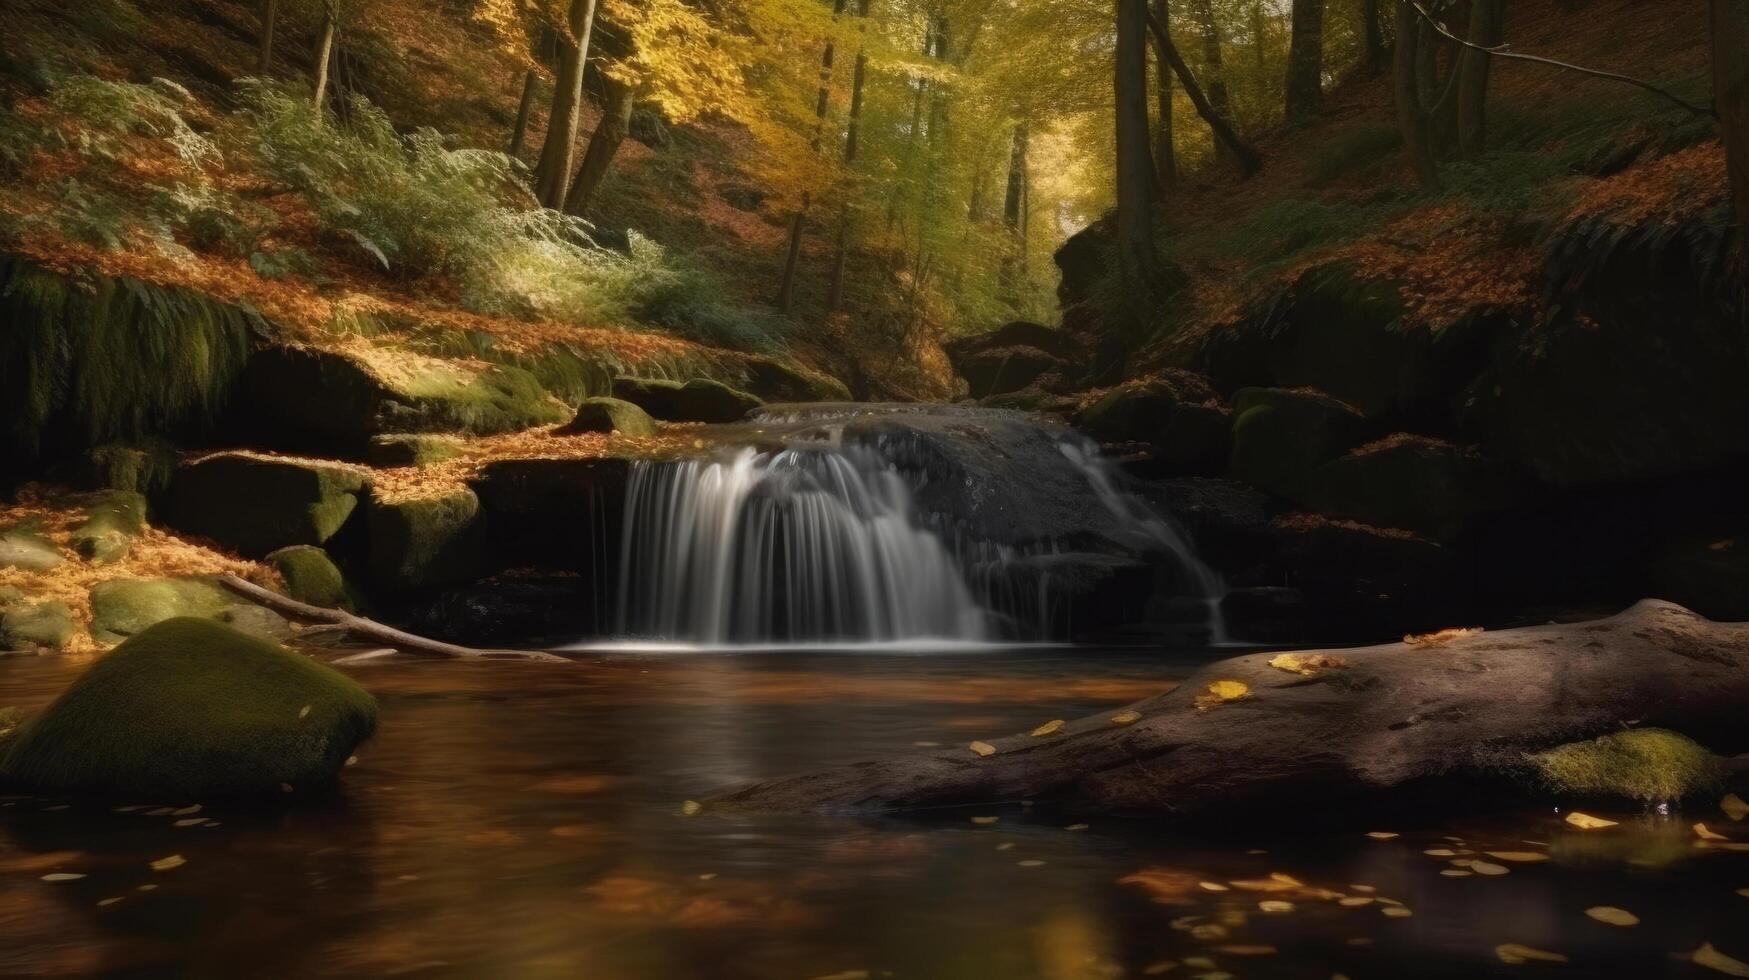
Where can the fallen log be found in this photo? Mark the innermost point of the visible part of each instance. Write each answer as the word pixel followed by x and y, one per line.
pixel 370 628
pixel 1318 727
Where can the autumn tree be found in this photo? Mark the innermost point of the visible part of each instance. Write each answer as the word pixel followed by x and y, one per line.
pixel 553 173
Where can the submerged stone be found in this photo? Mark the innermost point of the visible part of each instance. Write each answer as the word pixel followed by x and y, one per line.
pixel 190 710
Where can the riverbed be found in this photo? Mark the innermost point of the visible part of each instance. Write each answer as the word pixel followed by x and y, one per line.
pixel 530 820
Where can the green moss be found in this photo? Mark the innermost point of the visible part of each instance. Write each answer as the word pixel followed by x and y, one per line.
pixel 1280 435
pixel 696 400
pixel 499 399
pixel 427 542
pixel 36 626
pixel 121 608
pixel 193 709
pixel 143 468
pixel 612 415
pixel 256 505
pixel 413 449
pixel 311 576
pixel 112 522
pixel 1647 764
pixel 29 549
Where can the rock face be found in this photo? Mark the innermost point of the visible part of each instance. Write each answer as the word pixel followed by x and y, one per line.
pixel 191 710
pixel 1281 435
pixel 697 400
pixel 427 542
pixel 1013 357
pixel 563 514
pixel 611 415
pixel 121 608
pixel 1414 483
pixel 256 505
pixel 1176 414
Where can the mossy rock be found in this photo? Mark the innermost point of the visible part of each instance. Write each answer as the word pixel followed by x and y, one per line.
pixel 112 521
pixel 998 370
pixel 36 626
pixel 144 468
pixel 191 710
pixel 1650 765
pixel 426 542
pixel 698 400
pixel 611 415
pixel 255 505
pixel 121 608
pixel 1176 413
pixel 775 379
pixel 312 577
pixel 1280 435
pixel 1418 484
pixel 499 399
pixel 413 449
pixel 28 549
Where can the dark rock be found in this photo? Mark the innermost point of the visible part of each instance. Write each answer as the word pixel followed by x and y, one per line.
pixel 538 611
pixel 1229 523
pixel 742 197
pixel 774 379
pixel 193 710
pixel 145 468
pixel 1428 486
pixel 256 504
pixel 1267 614
pixel 1281 435
pixel 1033 399
pixel 997 370
pixel 1708 575
pixel 1018 333
pixel 697 400
pixel 1366 582
pixel 561 514
pixel 426 542
pixel 1176 413
pixel 1076 596
pixel 1082 260
pixel 611 415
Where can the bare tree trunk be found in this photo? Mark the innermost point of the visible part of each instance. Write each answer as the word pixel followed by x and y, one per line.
pixel 1373 37
pixel 1412 119
pixel 1165 153
pixel 852 130
pixel 324 52
pixel 1487 21
pixel 604 144
pixel 1214 68
pixel 1135 165
pixel 552 174
pixel 1730 52
pixel 1013 212
pixel 1249 160
pixel 519 132
pixel 269 19
pixel 786 291
pixel 1305 61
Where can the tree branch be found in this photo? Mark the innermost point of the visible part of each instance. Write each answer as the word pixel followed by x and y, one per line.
pixel 1505 51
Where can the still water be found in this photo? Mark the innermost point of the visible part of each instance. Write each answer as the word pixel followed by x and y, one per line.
pixel 526 820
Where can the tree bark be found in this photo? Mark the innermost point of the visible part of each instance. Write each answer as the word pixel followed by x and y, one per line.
pixel 1305 62
pixel 269 20
pixel 1390 717
pixel 1487 20
pixel 519 132
pixel 1373 37
pixel 552 174
pixel 786 290
pixel 1135 166
pixel 852 130
pixel 1247 157
pixel 1214 69
pixel 324 52
pixel 1014 212
pixel 604 144
pixel 1165 151
pixel 1412 119
pixel 1730 55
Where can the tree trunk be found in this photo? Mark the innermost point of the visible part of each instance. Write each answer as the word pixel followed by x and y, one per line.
pixel 786 291
pixel 1487 21
pixel 1412 119
pixel 604 143
pixel 1135 165
pixel 1214 69
pixel 852 129
pixel 269 19
pixel 324 52
pixel 1373 720
pixel 1013 212
pixel 552 174
pixel 1305 62
pixel 1249 160
pixel 1373 38
pixel 1730 52
pixel 519 132
pixel 1165 151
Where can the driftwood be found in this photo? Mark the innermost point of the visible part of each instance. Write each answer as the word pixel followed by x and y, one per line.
pixel 360 626
pixel 1379 718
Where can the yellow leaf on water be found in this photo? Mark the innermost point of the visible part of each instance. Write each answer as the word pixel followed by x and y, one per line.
pixel 1488 868
pixel 1440 638
pixel 1518 953
pixel 1396 912
pixel 62 876
pixel 1275 905
pixel 1306 664
pixel 1355 901
pixel 1220 692
pixel 1440 852
pixel 982 748
pixel 691 808
pixel 1704 833
pixel 1211 886
pixel 170 863
pixel 1263 885
pixel 1585 821
pixel 304 712
pixel 1126 717
pixel 1030 863
pixel 1734 806
pixel 1519 857
pixel 985 820
pixel 1381 834
pixel 1712 959
pixel 1208 931
pixel 1611 915
pixel 1048 728
pixel 1456 873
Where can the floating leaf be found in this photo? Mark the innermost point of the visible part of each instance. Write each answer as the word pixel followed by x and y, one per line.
pixel 985 820
pixel 105 903
pixel 1048 728
pixel 1440 638
pixel 1704 833
pixel 1212 886
pixel 1030 863
pixel 1585 821
pixel 1519 857
pixel 1440 852
pixel 982 748
pixel 62 876
pixel 1734 806
pixel 1306 664
pixel 304 712
pixel 1076 826
pixel 1517 953
pixel 1126 717
pixel 1611 915
pixel 1208 931
pixel 1244 950
pixel 1382 834
pixel 1263 885
pixel 170 863
pixel 1488 868
pixel 1355 901
pixel 1712 959
pixel 1396 912
pixel 1220 692
pixel 1455 873
pixel 691 808
pixel 1275 905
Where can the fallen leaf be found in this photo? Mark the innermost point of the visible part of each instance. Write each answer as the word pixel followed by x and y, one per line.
pixel 1220 692
pixel 1126 717
pixel 1005 845
pixel 1244 950
pixel 1381 834
pixel 691 808
pixel 1611 915
pixel 185 811
pixel 1519 857
pixel 1585 821
pixel 62 876
pixel 304 712
pixel 1048 728
pixel 1489 868
pixel 982 748
pixel 191 822
pixel 1518 953
pixel 1440 852
pixel 105 903
pixel 1456 873
pixel 1701 830
pixel 1076 826
pixel 1212 886
pixel 170 863
pixel 1208 931
pixel 1306 664
pixel 985 820
pixel 1355 901
pixel 1734 806
pixel 1275 905
pixel 1396 912
pixel 1440 638
pixel 1030 863
pixel 1712 959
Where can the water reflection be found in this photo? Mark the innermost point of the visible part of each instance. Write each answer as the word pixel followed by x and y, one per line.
pixel 519 820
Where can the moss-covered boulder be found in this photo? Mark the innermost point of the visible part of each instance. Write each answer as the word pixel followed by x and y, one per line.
pixel 191 710
pixel 26 627
pixel 121 608
pixel 775 379
pixel 997 370
pixel 1175 413
pixel 446 398
pixel 611 415
pixel 1648 765
pixel 698 400
pixel 311 576
pixel 28 549
pixel 426 542
pixel 1428 486
pixel 256 504
pixel 413 449
pixel 112 520
pixel 1280 435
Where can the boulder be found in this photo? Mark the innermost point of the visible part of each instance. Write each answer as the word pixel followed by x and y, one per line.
pixel 1281 435
pixel 1175 412
pixel 311 576
pixel 774 379
pixel 28 549
pixel 256 504
pixel 113 519
pixel 426 542
pixel 554 513
pixel 1416 483
pixel 1034 399
pixel 412 449
pixel 192 710
pixel 36 626
pixel 996 370
pixel 121 608
pixel 1229 523
pixel 611 415
pixel 697 400
pixel 1019 333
